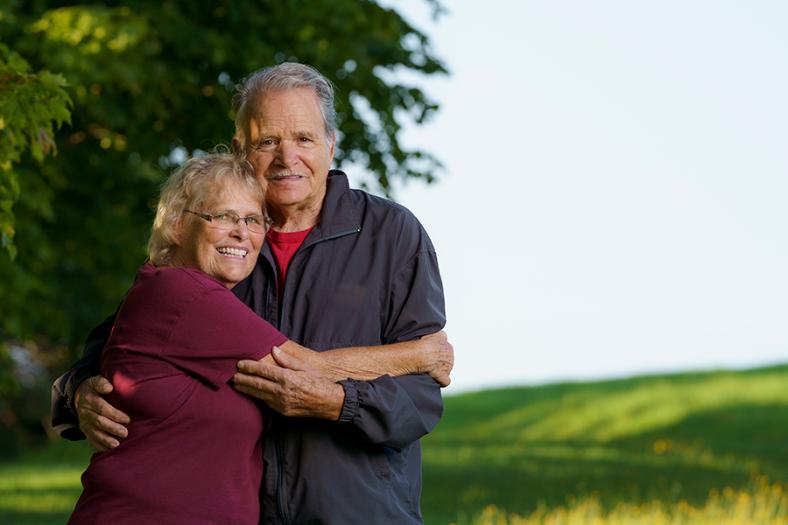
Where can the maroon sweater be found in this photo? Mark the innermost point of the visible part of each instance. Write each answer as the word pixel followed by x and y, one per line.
pixel 193 453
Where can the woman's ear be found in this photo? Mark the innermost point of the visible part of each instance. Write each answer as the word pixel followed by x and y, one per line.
pixel 178 232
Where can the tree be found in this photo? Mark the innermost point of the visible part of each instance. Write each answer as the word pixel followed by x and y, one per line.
pixel 31 107
pixel 151 80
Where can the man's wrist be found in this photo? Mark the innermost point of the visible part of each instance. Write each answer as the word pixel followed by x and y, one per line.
pixel 423 355
pixel 335 401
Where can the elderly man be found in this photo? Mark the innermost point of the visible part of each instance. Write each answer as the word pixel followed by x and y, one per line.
pixel 340 268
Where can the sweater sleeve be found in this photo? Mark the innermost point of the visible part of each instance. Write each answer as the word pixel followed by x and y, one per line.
pixel 396 411
pixel 206 327
pixel 214 333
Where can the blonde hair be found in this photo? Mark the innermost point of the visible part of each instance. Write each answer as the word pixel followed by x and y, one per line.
pixel 189 186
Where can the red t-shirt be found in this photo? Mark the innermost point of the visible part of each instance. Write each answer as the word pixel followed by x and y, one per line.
pixel 193 453
pixel 283 246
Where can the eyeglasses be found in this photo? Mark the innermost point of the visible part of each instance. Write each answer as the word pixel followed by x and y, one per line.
pixel 227 220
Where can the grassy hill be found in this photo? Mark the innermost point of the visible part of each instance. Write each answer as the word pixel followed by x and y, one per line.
pixel 668 438
pixel 672 440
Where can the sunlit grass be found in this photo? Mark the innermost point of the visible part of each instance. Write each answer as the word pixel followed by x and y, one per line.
pixel 765 505
pixel 42 487
pixel 661 439
pixel 615 409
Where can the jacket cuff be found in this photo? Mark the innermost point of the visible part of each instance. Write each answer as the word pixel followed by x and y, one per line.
pixel 70 432
pixel 64 420
pixel 350 406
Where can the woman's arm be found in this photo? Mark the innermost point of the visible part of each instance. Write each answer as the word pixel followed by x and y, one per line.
pixel 432 354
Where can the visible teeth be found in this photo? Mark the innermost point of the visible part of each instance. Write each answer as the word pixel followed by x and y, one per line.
pixel 238 252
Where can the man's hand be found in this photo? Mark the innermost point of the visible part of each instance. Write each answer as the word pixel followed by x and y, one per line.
pixel 101 423
pixel 440 355
pixel 290 386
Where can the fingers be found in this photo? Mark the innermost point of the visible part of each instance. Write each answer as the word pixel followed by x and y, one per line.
pixel 441 373
pixel 256 386
pixel 445 363
pixel 89 398
pixel 286 360
pixel 301 352
pixel 442 379
pixel 92 406
pixel 100 430
pixel 101 441
pixel 253 381
pixel 102 424
pixel 299 395
pixel 99 384
pixel 449 355
pixel 263 369
pixel 92 386
pixel 252 392
pixel 107 421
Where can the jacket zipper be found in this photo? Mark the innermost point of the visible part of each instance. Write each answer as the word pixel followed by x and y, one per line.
pixel 331 238
pixel 280 476
pixel 278 443
pixel 281 502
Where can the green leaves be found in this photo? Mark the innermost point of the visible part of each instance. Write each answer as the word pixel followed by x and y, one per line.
pixel 131 83
pixel 32 107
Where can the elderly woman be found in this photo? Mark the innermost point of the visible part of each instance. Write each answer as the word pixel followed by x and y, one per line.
pixel 193 452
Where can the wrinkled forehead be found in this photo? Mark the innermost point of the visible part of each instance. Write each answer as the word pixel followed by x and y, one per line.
pixel 291 108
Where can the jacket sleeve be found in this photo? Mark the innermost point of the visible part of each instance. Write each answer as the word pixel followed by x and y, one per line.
pixel 396 411
pixel 64 417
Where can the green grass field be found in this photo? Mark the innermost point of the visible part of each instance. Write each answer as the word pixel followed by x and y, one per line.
pixel 714 440
pixel 665 439
pixel 42 487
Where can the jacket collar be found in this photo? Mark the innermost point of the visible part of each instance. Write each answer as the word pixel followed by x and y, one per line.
pixel 340 215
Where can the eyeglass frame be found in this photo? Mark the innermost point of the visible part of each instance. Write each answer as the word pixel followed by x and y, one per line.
pixel 209 217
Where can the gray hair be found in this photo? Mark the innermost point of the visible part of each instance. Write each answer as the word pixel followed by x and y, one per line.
pixel 288 75
pixel 191 185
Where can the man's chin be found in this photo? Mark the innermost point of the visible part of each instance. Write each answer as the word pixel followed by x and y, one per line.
pixel 281 197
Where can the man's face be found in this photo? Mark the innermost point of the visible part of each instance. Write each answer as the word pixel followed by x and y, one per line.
pixel 289 149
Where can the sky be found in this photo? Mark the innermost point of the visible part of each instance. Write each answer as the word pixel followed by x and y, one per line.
pixel 614 198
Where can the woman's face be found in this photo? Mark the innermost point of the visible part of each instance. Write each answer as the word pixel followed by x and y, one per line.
pixel 226 255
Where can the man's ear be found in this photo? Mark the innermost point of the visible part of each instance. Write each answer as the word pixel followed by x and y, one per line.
pixel 333 143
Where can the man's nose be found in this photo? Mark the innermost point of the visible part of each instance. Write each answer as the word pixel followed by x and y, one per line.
pixel 287 153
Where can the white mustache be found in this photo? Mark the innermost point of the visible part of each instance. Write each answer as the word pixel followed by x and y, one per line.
pixel 276 176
